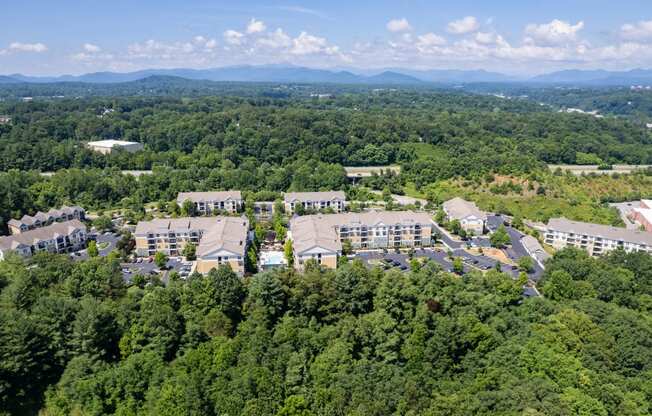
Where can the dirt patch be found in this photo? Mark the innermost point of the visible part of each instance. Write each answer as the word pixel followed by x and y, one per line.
pixel 493 253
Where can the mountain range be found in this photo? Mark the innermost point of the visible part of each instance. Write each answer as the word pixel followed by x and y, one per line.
pixel 393 76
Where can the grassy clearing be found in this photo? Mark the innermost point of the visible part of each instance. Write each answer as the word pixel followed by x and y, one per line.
pixel 580 198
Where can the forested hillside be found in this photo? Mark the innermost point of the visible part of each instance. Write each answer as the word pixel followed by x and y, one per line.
pixel 254 142
pixel 475 134
pixel 351 341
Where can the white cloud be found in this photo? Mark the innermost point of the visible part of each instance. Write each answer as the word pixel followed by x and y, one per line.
pixel 276 39
pixel 27 47
pixel 90 57
pixel 91 54
pixel 485 38
pixel 306 44
pixel 153 49
pixel 429 43
pixel 233 37
pixel 398 25
pixel 637 31
pixel 89 47
pixel 466 25
pixel 255 26
pixel 549 46
pixel 490 38
pixel 201 41
pixel 556 32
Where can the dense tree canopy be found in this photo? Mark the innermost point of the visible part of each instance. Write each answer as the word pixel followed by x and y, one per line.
pixel 351 341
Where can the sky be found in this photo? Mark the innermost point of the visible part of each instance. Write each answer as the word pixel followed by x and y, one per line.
pixel 517 37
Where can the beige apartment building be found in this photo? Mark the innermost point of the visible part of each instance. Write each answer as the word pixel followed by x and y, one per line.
pixel 43 219
pixel 219 240
pixel 207 203
pixel 335 200
pixel 471 218
pixel 320 237
pixel 60 237
pixel 596 239
pixel 108 146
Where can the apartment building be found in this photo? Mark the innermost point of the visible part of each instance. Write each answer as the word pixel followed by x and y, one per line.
pixel 207 203
pixel 471 218
pixel 43 219
pixel 320 236
pixel 336 200
pixel 596 239
pixel 219 240
pixel 108 146
pixel 60 237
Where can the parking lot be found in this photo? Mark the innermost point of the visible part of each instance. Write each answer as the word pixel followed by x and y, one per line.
pixel 515 251
pixel 401 261
pixel 145 266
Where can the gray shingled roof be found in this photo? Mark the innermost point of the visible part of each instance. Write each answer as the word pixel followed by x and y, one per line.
pixel 314 196
pixel 32 237
pixel 220 232
pixel 534 248
pixel 163 225
pixel 44 216
pixel 458 208
pixel 319 230
pixel 599 230
pixel 208 196
pixel 230 233
pixel 314 231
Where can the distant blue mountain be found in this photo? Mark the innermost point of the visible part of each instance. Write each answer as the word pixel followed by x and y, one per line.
pixel 394 76
pixel 455 76
pixel 249 73
pixel 391 77
pixel 268 73
pixel 596 77
pixel 8 80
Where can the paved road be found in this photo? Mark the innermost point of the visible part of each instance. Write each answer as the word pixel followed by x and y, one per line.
pixel 108 239
pixel 518 250
pixel 515 252
pixel 111 239
pixel 444 237
pixel 494 221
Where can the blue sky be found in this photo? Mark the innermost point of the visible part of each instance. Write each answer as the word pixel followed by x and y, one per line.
pixel 516 37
